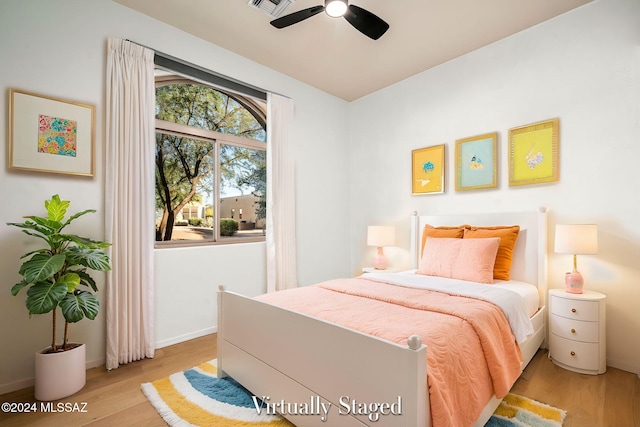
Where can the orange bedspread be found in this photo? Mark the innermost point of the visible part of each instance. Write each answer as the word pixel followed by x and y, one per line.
pixel 471 352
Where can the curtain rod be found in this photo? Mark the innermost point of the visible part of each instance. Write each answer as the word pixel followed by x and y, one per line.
pixel 175 64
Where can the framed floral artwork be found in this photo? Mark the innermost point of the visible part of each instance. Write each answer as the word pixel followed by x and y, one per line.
pixel 533 153
pixel 50 135
pixel 428 170
pixel 476 162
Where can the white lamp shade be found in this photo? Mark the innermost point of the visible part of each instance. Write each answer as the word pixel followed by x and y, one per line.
pixel 576 239
pixel 379 235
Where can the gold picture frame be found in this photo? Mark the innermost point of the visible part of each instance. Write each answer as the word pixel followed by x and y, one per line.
pixel 476 162
pixel 51 135
pixel 427 170
pixel 533 153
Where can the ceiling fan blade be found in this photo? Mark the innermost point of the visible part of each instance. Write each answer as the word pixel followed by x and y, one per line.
pixel 366 22
pixel 295 17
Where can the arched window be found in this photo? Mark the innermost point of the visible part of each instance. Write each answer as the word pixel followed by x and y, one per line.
pixel 210 164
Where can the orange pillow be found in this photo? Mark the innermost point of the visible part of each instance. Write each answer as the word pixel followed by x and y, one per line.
pixel 508 236
pixel 464 259
pixel 452 232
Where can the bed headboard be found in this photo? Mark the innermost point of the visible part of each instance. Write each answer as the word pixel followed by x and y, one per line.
pixel 530 253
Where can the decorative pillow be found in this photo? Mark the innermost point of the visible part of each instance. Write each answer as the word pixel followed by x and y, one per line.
pixel 508 236
pixel 431 231
pixel 464 259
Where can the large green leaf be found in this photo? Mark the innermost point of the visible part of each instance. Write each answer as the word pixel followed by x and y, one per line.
pixel 41 266
pixel 41 225
pixel 44 297
pixel 87 280
pixel 72 280
pixel 18 287
pixel 79 305
pixel 44 225
pixel 94 259
pixel 86 242
pixel 79 214
pixel 56 208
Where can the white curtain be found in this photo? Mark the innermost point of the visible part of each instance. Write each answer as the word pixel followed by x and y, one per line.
pixel 129 200
pixel 281 198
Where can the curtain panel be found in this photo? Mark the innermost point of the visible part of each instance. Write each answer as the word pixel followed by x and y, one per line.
pixel 281 202
pixel 129 201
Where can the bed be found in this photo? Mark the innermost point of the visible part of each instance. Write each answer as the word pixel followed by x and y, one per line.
pixel 303 364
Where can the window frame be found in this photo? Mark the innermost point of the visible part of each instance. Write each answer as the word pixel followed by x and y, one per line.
pixel 258 111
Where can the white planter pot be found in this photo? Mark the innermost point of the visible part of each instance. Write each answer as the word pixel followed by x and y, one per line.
pixel 61 374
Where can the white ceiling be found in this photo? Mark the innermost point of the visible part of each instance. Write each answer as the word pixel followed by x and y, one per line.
pixel 331 55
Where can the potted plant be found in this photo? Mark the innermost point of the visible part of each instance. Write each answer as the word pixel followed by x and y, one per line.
pixel 56 276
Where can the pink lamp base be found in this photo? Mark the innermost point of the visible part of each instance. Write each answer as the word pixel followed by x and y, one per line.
pixel 380 261
pixel 574 282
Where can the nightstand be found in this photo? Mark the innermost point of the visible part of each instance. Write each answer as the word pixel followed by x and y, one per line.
pixel 577 331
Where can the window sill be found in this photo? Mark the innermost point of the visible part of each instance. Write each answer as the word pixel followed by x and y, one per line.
pixel 222 242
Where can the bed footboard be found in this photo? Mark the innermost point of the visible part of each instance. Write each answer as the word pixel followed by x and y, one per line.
pixel 341 376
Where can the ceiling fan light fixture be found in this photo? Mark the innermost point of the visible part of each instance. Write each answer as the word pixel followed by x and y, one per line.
pixel 361 19
pixel 335 8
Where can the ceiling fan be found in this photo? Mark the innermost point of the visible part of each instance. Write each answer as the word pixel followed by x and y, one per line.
pixel 362 20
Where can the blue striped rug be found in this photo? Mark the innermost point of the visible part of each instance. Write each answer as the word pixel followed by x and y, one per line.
pixel 196 397
pixel 520 411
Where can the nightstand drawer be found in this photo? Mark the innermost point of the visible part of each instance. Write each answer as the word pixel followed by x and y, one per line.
pixel 575 354
pixel 574 329
pixel 574 309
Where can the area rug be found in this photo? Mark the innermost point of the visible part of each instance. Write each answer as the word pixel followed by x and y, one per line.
pixel 196 397
pixel 521 411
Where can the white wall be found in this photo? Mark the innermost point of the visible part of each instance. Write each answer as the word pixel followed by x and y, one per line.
pixel 186 297
pixel 58 48
pixel 583 67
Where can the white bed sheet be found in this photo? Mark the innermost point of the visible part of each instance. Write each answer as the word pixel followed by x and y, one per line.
pixel 514 298
pixel 526 290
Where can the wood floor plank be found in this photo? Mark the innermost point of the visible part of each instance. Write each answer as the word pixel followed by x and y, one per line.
pixel 140 415
pixel 115 399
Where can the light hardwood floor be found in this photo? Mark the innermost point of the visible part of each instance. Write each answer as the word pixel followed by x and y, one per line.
pixel 114 398
pixel 608 400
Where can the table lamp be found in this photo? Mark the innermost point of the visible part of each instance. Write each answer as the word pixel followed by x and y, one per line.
pixel 380 236
pixel 576 239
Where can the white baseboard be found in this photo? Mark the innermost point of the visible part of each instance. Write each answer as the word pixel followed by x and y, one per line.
pixel 18 385
pixel 95 363
pixel 29 382
pixel 624 366
pixel 186 337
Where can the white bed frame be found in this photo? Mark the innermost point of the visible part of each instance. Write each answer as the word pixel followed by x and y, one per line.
pixel 292 357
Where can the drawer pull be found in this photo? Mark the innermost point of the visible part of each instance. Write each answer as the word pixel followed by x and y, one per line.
pixel 573 331
pixel 573 310
pixel 573 353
